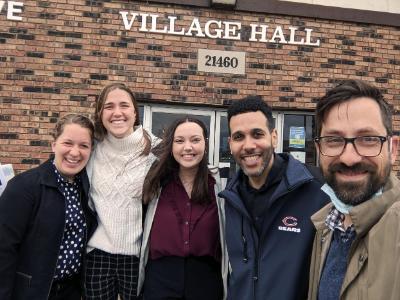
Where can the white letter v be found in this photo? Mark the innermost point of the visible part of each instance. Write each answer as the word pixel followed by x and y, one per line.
pixel 127 24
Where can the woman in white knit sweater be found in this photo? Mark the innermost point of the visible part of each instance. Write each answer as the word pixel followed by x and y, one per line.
pixel 116 170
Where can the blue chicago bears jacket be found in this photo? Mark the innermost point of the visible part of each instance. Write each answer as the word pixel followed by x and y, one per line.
pixel 274 265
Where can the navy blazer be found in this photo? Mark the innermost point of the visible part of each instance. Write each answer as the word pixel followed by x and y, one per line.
pixel 32 220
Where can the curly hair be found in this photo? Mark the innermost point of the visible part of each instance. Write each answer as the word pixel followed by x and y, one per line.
pixel 251 104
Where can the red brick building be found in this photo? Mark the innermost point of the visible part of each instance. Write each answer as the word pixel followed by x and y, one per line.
pixel 185 57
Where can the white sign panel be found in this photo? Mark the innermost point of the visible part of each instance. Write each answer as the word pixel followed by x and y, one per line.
pixel 6 173
pixel 299 155
pixel 216 61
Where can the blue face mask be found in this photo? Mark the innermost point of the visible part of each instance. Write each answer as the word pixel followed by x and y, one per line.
pixel 339 205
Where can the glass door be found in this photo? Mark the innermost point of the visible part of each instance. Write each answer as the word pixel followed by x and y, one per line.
pixel 298 137
pixel 158 118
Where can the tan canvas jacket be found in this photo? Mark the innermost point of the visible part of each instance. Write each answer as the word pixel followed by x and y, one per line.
pixel 373 271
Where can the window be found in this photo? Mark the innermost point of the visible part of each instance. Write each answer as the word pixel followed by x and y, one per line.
pixel 295 132
pixel 297 136
pixel 157 118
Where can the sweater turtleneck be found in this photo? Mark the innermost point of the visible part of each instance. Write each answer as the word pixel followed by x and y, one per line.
pixel 125 145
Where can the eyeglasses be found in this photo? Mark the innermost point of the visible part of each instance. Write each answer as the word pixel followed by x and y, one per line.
pixel 368 146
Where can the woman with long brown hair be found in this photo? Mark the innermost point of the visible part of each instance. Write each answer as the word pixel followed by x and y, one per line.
pixel 116 170
pixel 183 253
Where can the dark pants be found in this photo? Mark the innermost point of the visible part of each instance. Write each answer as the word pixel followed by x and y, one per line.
pixel 68 289
pixel 191 278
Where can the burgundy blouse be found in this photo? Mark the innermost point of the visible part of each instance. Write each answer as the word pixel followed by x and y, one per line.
pixel 181 228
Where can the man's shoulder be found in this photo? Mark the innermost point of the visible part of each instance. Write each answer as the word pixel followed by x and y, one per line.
pixel 391 196
pixel 234 180
pixel 316 173
pixel 394 211
pixel 297 172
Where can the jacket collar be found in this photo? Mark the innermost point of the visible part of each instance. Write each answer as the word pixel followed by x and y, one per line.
pixel 319 217
pixel 367 214
pixel 295 175
pixel 49 178
pixel 47 175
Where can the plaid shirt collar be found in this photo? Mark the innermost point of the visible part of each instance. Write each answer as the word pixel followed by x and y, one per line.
pixel 334 221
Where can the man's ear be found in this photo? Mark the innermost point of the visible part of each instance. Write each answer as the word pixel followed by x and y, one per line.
pixel 394 142
pixel 274 138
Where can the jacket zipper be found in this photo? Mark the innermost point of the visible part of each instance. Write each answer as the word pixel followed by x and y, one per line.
pixel 244 240
pixel 256 264
pixel 261 239
pixel 59 250
pixel 246 257
pixel 85 240
pixel 352 250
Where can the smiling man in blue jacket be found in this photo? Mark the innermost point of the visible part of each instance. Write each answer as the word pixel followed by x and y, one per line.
pixel 268 208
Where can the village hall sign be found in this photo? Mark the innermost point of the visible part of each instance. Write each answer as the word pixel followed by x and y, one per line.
pixel 217 61
pixel 208 60
pixel 216 29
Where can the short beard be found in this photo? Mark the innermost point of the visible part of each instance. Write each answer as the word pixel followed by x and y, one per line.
pixel 267 156
pixel 356 193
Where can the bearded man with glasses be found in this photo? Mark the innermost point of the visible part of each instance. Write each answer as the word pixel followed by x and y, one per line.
pixel 356 251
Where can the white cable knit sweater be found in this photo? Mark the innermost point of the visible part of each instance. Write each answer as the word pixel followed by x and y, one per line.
pixel 116 171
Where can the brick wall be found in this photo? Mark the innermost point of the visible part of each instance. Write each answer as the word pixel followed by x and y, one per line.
pixel 60 55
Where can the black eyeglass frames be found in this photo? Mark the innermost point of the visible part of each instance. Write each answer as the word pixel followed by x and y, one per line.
pixel 368 146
